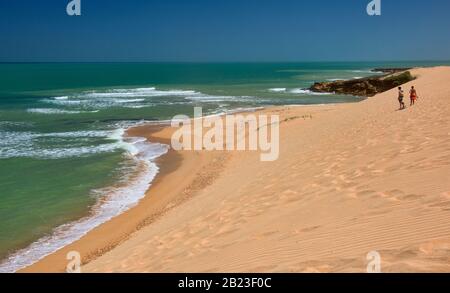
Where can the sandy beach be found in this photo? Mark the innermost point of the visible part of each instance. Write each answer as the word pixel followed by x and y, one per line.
pixel 350 179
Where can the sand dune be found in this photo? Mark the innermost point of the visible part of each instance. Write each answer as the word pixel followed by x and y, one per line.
pixel 350 179
pixel 353 179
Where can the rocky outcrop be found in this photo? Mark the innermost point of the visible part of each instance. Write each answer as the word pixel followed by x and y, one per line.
pixel 390 70
pixel 364 87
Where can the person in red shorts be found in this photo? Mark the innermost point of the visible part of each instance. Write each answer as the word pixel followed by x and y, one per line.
pixel 413 95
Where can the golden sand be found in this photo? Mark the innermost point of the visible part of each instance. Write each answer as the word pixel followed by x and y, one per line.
pixel 351 179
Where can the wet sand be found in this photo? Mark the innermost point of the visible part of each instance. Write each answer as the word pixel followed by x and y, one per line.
pixel 181 175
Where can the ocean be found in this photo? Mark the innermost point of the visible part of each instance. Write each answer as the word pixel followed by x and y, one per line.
pixel 65 166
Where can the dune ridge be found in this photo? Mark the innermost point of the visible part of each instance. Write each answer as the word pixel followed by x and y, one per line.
pixel 351 179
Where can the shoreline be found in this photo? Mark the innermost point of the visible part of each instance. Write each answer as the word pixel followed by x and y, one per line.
pixel 170 162
pixel 151 207
pixel 156 132
pixel 148 210
pixel 122 195
pixel 155 210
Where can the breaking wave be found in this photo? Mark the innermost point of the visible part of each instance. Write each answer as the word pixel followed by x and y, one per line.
pixel 112 201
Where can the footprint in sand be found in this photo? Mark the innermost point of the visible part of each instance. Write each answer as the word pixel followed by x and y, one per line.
pixel 365 193
pixel 289 196
pixel 387 196
pixel 411 197
pixel 310 229
pixel 268 186
pixel 396 192
pixel 226 230
pixel 392 195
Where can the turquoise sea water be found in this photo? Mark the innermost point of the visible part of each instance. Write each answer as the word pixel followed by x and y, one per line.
pixel 65 166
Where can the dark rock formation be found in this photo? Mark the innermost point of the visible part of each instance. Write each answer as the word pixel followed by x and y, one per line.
pixel 364 87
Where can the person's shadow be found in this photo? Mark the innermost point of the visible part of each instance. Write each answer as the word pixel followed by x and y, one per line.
pixel 398 110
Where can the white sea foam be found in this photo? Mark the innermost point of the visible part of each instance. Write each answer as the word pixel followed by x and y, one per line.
pixel 137 106
pixel 362 71
pixel 93 103
pixel 112 98
pixel 136 99
pixel 277 90
pixel 63 102
pixel 86 133
pixel 210 98
pixel 139 92
pixel 128 101
pixel 296 91
pixel 10 141
pixel 335 79
pixel 23 144
pixel 242 110
pixel 301 91
pixel 51 111
pixel 56 153
pixel 112 202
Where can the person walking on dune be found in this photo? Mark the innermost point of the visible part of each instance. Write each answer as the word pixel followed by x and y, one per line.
pixel 413 95
pixel 401 95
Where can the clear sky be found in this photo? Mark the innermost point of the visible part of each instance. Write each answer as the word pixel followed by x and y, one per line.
pixel 224 30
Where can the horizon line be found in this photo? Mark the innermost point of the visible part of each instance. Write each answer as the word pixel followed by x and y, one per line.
pixel 218 62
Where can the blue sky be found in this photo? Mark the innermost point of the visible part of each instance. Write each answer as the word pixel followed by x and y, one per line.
pixel 224 30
